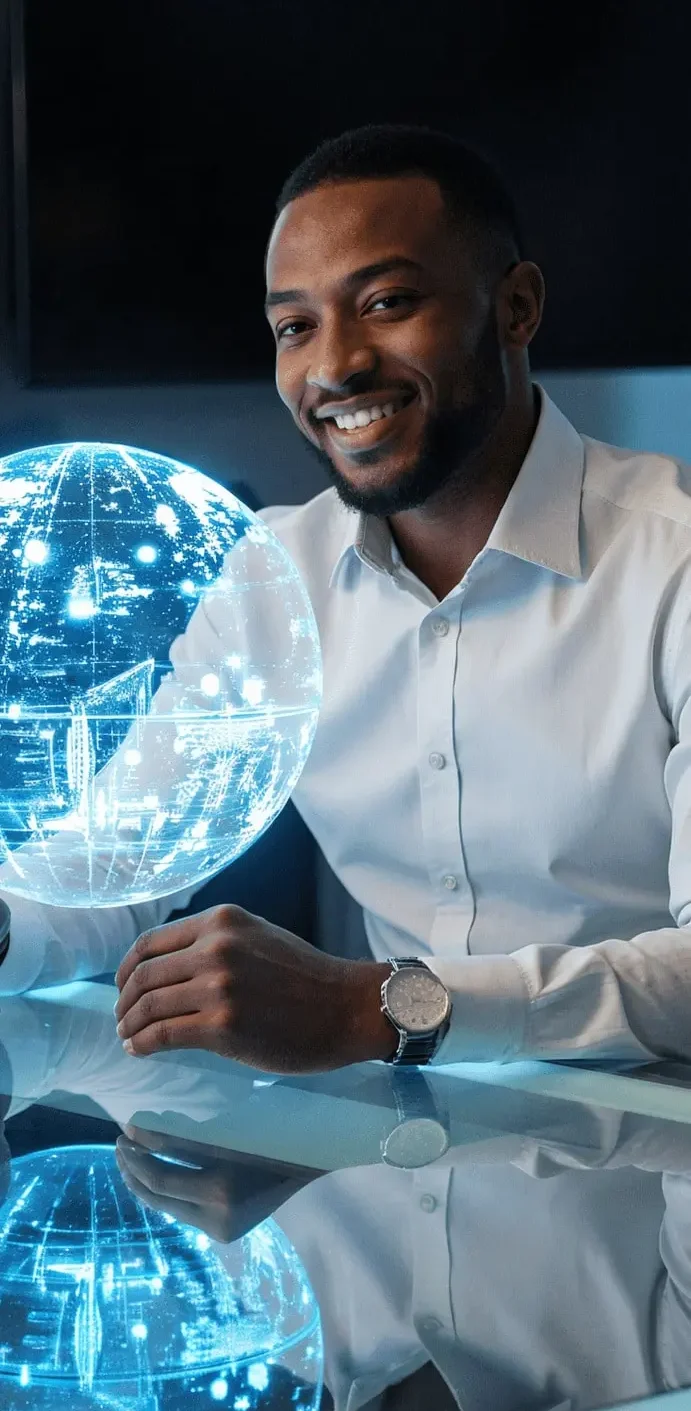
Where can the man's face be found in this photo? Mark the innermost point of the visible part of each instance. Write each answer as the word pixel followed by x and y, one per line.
pixel 416 342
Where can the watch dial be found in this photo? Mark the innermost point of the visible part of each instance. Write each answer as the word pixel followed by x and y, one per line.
pixel 417 1000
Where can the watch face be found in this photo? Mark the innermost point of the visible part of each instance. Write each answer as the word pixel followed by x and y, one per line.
pixel 417 1000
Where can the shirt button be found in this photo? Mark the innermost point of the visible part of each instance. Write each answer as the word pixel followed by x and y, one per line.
pixel 437 760
pixel 428 1203
pixel 440 627
pixel 431 1325
pixel 450 882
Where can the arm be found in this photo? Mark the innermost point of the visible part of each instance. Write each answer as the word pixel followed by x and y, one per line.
pixel 617 999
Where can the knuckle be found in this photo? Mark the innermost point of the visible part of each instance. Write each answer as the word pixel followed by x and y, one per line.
pixel 164 1034
pixel 141 945
pixel 140 976
pixel 147 1004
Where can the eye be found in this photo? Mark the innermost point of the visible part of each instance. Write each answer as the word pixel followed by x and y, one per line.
pixel 284 330
pixel 392 299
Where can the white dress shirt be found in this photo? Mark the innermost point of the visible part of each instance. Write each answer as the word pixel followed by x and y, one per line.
pixel 502 780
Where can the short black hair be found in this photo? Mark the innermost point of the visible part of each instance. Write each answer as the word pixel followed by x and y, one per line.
pixel 474 194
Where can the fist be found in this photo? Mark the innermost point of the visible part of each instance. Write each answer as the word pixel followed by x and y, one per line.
pixel 227 981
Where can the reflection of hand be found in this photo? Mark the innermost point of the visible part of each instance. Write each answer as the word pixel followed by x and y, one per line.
pixel 217 1191
pixel 228 981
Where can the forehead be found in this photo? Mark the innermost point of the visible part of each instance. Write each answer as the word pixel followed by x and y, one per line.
pixel 338 226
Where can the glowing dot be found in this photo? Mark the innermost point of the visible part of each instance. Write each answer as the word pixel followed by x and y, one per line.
pixel 210 684
pixel 233 661
pixel 242 1403
pixel 35 551
pixel 258 1376
pixel 146 553
pixel 219 1389
pixel 14 711
pixel 140 1331
pixel 203 1242
pixel 253 690
pixel 81 607
pixel 187 586
pixel 24 1376
pixel 132 757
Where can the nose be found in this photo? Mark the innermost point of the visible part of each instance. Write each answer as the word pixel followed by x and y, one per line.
pixel 339 358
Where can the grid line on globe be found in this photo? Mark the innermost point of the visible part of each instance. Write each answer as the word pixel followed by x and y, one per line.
pixel 160 675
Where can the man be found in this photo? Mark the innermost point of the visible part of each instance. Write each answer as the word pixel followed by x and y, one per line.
pixel 502 772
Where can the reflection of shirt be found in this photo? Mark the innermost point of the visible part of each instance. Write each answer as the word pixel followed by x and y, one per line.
pixel 542 1294
pixel 503 779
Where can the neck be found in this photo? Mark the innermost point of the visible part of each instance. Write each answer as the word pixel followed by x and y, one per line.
pixel 439 540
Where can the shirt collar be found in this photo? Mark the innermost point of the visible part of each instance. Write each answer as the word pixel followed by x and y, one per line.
pixel 539 521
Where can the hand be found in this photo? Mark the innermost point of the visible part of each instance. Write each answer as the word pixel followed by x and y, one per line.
pixel 217 1191
pixel 230 982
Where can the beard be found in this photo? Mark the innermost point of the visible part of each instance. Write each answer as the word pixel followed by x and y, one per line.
pixel 451 440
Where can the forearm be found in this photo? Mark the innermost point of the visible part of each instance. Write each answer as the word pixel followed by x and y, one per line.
pixel 616 1000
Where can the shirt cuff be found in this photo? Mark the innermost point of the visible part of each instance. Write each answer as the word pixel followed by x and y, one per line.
pixel 490 1004
pixel 24 960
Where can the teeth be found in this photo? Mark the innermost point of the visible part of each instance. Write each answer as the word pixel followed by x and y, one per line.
pixel 354 420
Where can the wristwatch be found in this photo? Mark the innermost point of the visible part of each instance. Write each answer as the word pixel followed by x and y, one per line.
pixel 4 930
pixel 418 1005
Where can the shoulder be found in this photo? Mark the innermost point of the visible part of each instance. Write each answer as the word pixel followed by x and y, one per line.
pixel 643 485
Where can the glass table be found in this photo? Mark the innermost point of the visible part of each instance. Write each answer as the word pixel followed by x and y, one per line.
pixel 182 1232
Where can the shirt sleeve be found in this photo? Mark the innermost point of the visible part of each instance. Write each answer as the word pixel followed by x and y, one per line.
pixel 618 999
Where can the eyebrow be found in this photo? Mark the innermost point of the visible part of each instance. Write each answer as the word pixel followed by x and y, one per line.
pixel 358 276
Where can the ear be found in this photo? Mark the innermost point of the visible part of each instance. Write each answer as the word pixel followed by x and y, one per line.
pixel 520 301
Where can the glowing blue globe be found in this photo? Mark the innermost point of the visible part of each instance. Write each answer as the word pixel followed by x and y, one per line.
pixel 160 675
pixel 106 1304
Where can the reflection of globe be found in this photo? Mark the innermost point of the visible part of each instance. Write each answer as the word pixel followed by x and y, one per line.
pixel 105 1304
pixel 122 779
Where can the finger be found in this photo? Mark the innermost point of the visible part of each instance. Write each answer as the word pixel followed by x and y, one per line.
pixel 189 1031
pixel 159 973
pixel 163 1179
pixel 179 1209
pixel 175 935
pixel 200 1154
pixel 155 1005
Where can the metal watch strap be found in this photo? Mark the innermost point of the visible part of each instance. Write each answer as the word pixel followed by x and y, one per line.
pixel 415 1049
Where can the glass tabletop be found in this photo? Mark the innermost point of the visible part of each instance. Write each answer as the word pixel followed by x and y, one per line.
pixel 182 1231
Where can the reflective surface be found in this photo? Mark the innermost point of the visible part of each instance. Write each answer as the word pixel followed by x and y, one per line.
pixel 127 773
pixel 507 1236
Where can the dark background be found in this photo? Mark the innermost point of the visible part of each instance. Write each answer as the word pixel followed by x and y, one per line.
pixel 152 136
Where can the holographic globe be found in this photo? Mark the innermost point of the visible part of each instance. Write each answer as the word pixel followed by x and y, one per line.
pixel 105 1304
pixel 160 675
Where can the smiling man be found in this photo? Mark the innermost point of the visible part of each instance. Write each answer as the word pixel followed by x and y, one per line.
pixel 501 776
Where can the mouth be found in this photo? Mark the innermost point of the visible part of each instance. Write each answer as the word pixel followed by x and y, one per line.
pixel 372 426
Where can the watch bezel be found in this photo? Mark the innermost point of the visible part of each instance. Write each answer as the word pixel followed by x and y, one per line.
pixel 397 980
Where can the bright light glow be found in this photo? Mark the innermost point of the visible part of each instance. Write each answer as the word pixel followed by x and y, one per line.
pixel 219 1389
pixel 35 551
pixel 258 1376
pixel 140 1331
pixel 210 684
pixel 133 757
pixel 14 711
pixel 146 553
pixel 81 607
pixel 253 690
pixel 187 586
